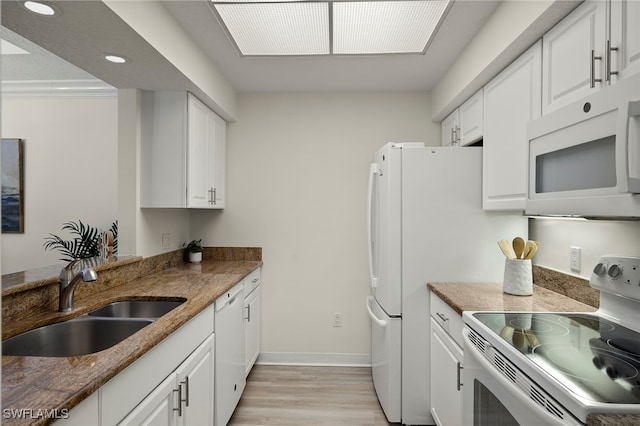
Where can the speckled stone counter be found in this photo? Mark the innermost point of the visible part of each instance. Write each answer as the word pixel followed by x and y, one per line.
pixel 61 383
pixel 489 297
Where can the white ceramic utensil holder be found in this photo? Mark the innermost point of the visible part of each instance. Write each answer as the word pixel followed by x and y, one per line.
pixel 518 279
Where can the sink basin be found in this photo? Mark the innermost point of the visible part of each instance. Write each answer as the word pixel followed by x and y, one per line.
pixel 136 309
pixel 79 336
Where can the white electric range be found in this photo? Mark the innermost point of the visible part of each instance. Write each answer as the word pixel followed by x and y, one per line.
pixel 551 368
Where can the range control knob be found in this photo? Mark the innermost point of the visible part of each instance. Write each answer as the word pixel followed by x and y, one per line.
pixel 614 271
pixel 600 269
pixel 611 372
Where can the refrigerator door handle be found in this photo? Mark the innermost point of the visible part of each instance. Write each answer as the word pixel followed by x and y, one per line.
pixel 374 318
pixel 373 172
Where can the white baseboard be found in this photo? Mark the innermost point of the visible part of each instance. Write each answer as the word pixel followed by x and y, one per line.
pixel 314 359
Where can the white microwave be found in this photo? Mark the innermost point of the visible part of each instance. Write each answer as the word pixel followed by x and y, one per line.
pixel 584 159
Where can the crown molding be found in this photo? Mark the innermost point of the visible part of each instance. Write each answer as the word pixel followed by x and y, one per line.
pixel 58 89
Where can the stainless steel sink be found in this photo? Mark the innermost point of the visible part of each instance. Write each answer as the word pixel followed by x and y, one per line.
pixel 136 309
pixel 79 336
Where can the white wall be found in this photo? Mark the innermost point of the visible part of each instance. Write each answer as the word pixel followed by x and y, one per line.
pixel 141 229
pixel 595 238
pixel 70 170
pixel 296 186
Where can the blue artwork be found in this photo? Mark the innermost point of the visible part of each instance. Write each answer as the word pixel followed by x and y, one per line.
pixel 12 185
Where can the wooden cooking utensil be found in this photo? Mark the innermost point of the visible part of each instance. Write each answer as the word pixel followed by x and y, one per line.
pixel 530 249
pixel 518 247
pixel 506 248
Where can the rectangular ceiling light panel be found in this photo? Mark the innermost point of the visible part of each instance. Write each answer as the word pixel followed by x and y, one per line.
pixel 372 27
pixel 277 28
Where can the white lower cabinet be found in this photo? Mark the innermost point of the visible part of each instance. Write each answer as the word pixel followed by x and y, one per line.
pixel 252 312
pixel 446 363
pixel 446 391
pixel 185 397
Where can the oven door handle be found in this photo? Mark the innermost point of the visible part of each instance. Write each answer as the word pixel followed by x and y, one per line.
pixel 513 390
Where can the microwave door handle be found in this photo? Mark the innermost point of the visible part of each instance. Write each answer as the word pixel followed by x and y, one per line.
pixel 631 146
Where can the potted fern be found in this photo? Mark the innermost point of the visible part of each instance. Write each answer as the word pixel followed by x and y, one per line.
pixel 195 251
pixel 85 241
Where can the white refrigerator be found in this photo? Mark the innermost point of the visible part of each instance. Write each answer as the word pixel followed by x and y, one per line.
pixel 426 224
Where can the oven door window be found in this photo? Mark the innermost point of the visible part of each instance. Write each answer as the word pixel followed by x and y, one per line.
pixel 488 410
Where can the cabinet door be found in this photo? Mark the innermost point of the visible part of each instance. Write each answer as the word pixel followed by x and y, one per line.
pixel 252 329
pixel 157 409
pixel 216 177
pixel 511 100
pixel 446 393
pixel 200 154
pixel 625 37
pixel 470 116
pixel 196 375
pixel 569 70
pixel 450 129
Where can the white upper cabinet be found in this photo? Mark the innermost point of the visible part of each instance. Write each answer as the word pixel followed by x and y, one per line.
pixel 182 152
pixel 206 134
pixel 511 100
pixel 594 46
pixel 464 125
pixel 471 119
pixel 449 129
pixel 625 37
pixel 572 56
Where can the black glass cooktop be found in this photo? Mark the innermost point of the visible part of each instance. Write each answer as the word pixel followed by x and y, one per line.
pixel 591 356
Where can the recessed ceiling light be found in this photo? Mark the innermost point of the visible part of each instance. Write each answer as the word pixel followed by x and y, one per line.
pixel 39 8
pixel 116 59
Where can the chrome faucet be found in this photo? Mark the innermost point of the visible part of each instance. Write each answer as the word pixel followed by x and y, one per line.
pixel 69 282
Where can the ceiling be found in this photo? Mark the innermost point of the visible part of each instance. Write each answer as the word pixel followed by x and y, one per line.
pixel 86 29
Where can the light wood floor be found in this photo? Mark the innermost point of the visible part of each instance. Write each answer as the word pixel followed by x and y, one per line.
pixel 287 395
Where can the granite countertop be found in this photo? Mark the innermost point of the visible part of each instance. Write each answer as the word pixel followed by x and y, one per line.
pixel 489 297
pixel 41 383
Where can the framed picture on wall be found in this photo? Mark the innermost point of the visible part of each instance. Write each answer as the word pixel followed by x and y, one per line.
pixel 12 155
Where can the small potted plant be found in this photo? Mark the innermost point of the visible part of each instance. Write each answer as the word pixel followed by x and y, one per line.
pixel 195 251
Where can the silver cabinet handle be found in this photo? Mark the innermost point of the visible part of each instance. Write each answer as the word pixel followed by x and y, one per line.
pixel 609 73
pixel 212 196
pixel 458 135
pixel 453 136
pixel 442 316
pixel 459 375
pixel 179 391
pixel 248 318
pixel 186 385
pixel 594 58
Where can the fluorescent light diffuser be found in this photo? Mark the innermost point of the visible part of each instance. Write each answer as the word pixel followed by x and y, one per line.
pixel 385 27
pixel 277 28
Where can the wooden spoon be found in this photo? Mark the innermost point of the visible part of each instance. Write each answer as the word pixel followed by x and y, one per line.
pixel 530 249
pixel 506 249
pixel 518 247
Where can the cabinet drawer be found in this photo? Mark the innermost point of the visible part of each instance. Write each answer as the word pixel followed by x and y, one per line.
pixel 448 319
pixel 251 282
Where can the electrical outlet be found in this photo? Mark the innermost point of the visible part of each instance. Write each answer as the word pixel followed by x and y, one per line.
pixel 337 319
pixel 166 241
pixel 574 258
